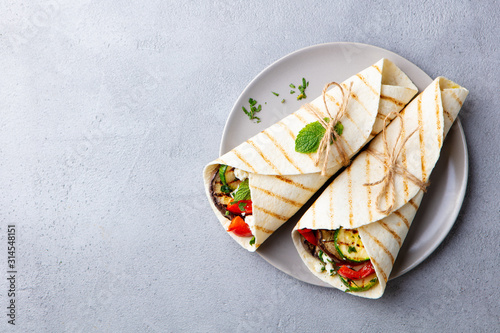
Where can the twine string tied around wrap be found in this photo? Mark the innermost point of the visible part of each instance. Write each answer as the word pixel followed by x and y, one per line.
pixel 331 136
pixel 390 159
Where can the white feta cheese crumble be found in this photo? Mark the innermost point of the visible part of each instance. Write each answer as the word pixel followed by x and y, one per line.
pixel 328 267
pixel 240 174
pixel 319 267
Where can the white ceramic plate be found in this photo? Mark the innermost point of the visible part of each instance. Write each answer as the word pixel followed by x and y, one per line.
pixel 321 64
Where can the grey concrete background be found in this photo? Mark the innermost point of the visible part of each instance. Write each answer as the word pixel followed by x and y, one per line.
pixel 109 111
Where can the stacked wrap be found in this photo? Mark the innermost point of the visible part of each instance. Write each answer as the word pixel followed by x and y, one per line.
pixel 282 180
pixel 349 204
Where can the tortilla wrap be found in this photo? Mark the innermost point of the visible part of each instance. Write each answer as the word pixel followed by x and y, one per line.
pixel 281 179
pixel 348 203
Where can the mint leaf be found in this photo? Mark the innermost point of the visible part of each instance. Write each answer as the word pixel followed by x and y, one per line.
pixel 309 137
pixel 252 241
pixel 242 206
pixel 339 128
pixel 242 192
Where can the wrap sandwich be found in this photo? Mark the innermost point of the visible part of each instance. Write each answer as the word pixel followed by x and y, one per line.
pixel 351 235
pixel 257 186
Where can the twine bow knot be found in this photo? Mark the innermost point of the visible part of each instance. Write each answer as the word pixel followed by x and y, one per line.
pixel 331 136
pixel 390 159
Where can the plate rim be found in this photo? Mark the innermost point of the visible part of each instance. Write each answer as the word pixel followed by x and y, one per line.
pixel 464 181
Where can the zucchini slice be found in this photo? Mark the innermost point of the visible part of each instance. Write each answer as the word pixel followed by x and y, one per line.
pixel 361 284
pixel 349 245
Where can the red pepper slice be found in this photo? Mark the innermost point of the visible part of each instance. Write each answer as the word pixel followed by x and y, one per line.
pixel 309 235
pixel 239 227
pixel 349 273
pixel 235 208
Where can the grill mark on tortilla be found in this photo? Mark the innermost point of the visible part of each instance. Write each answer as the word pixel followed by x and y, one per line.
pixel 392 232
pixel 381 271
pixel 282 150
pixel 377 68
pixel 393 100
pixel 379 243
pixel 413 203
pixel 421 136
pixel 359 130
pixel 311 108
pixel 291 182
pixel 398 214
pixel 299 117
pixel 289 131
pixel 381 116
pixel 347 143
pixel 438 120
pixel 360 103
pixel 331 98
pixel 277 196
pixel 257 149
pixel 268 212
pixel 361 77
pixel 235 152
pixel 456 98
pixel 368 188
pixel 349 193
pixel 405 164
pixel 267 231
pixel 448 115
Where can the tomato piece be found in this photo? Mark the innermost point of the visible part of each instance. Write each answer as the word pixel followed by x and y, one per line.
pixel 239 227
pixel 349 273
pixel 235 208
pixel 309 235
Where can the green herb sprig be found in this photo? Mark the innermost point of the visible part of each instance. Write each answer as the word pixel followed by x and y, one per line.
pixel 302 89
pixel 254 108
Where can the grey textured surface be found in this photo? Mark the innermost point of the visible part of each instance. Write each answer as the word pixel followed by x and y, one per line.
pixel 111 109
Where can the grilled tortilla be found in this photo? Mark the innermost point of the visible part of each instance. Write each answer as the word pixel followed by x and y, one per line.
pixel 347 203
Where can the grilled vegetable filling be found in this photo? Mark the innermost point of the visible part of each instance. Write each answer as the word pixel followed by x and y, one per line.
pixel 231 195
pixel 341 252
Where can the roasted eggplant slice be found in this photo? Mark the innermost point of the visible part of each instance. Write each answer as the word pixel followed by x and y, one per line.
pixel 326 241
pixel 220 198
